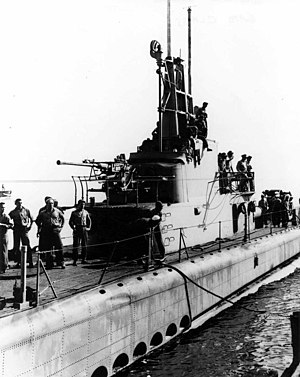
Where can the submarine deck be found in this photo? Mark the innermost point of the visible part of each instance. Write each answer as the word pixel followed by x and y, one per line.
pixel 75 279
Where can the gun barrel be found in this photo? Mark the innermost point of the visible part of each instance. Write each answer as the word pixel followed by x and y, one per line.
pixel 85 164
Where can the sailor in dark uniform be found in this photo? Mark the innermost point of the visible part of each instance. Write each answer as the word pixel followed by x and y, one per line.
pixel 201 119
pixel 156 217
pixel 242 173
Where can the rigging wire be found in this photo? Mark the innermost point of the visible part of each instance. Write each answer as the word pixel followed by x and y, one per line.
pixel 186 277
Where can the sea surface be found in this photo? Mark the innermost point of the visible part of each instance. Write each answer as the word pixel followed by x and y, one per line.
pixel 237 342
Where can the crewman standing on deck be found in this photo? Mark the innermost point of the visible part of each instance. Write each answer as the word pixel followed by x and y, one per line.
pixel 81 223
pixel 242 171
pixel 5 224
pixel 263 204
pixel 155 219
pixel 50 222
pixel 23 221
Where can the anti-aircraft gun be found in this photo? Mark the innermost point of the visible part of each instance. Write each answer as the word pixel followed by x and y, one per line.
pixel 109 177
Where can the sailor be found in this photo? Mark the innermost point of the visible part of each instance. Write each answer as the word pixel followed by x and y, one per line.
pixel 50 222
pixel 81 223
pixel 249 173
pixel 155 219
pixel 5 224
pixel 241 165
pixel 263 204
pixel 23 221
pixel 178 73
pixel 242 170
pixel 276 210
pixel 285 211
pixel 45 206
pixel 222 172
pixel 201 119
pixel 196 145
pixel 228 162
pixel 229 169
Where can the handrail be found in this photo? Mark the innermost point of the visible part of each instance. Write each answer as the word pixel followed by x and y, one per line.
pixel 146 259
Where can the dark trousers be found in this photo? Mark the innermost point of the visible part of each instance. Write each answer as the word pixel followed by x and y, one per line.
pixel 50 239
pixel 158 245
pixel 3 252
pixel 80 237
pixel 197 158
pixel 21 235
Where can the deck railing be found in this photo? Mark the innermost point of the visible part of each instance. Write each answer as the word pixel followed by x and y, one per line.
pixel 145 262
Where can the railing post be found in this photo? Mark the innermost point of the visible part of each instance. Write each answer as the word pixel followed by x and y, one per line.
pixel 246 226
pixel 107 192
pixel 137 193
pixel 271 222
pixel 21 296
pixel 108 262
pixel 23 273
pixel 38 271
pixel 150 244
pixel 179 251
pixel 220 234
pixel 181 239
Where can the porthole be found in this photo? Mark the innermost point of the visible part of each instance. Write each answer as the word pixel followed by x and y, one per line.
pixel 171 330
pixel 156 339
pixel 140 350
pixel 121 361
pixel 120 284
pixel 102 291
pixel 100 372
pixel 185 322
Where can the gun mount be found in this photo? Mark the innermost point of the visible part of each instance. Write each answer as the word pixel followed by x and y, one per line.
pixel 121 182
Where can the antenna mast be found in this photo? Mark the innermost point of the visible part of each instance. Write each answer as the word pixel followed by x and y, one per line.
pixel 189 51
pixel 169 28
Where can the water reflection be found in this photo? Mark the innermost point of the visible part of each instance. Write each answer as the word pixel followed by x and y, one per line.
pixel 237 342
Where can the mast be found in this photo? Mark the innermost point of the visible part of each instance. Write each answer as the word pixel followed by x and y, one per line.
pixel 189 51
pixel 169 28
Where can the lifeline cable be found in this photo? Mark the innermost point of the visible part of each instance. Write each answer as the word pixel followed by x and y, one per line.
pixel 207 290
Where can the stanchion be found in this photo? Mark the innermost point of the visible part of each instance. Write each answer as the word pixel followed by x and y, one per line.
pixel 38 265
pixel 220 234
pixel 21 302
pixel 181 239
pixel 246 227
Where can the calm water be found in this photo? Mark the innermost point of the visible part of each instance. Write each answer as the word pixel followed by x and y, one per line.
pixel 237 342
